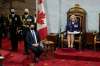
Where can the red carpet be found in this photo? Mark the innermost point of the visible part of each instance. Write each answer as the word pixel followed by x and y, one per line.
pixel 62 62
pixel 18 58
pixel 4 53
pixel 63 57
pixel 86 55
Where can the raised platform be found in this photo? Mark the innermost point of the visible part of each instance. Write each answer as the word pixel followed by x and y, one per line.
pixel 72 54
pixel 62 62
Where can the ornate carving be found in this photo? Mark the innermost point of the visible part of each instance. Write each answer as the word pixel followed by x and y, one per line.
pixel 77 8
pixel 3 3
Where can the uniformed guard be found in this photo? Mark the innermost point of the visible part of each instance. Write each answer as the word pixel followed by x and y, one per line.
pixel 14 23
pixel 27 20
pixel 1 28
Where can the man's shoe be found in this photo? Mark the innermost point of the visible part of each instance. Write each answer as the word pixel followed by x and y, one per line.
pixel 32 64
pixel 36 60
pixel 26 53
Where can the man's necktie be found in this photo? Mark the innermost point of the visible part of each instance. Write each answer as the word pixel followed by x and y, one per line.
pixel 34 35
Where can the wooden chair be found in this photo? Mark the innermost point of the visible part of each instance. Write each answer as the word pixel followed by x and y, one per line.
pixel 96 39
pixel 97 36
pixel 80 13
pixel 78 39
pixel 50 43
pixel 89 39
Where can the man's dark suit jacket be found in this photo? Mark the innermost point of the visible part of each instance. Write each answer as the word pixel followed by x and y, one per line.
pixel 31 39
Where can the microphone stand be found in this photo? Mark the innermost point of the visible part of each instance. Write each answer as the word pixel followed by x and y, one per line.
pixel 59 38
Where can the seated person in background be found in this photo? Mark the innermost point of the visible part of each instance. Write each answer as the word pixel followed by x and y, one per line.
pixel 33 41
pixel 73 27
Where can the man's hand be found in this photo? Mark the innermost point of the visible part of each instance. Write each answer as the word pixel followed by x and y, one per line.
pixel 18 31
pixel 35 45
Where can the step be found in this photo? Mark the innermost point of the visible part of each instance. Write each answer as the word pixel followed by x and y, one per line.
pixel 12 64
pixel 87 55
pixel 63 62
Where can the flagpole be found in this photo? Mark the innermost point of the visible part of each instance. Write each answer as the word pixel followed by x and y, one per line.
pixel 60 3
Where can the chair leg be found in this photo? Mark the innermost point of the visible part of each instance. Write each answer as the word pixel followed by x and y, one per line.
pixel 94 46
pixel 80 45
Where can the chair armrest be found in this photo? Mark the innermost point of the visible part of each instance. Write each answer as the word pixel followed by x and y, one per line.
pixel 80 37
pixel 95 37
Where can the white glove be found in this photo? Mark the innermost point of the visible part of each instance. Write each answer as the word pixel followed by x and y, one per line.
pixel 35 45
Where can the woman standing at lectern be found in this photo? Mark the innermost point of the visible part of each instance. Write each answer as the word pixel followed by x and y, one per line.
pixel 73 27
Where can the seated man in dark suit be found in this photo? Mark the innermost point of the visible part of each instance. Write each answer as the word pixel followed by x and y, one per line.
pixel 33 41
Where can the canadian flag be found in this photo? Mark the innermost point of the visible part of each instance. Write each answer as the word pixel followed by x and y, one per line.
pixel 41 20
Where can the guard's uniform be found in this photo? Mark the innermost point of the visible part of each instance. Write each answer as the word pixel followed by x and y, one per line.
pixel 1 29
pixel 26 22
pixel 14 23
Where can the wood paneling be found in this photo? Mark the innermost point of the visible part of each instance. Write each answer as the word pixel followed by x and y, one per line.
pixel 19 6
pixel 89 38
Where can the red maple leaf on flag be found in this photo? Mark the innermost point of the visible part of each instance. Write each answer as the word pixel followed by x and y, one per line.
pixel 40 17
pixel 40 1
